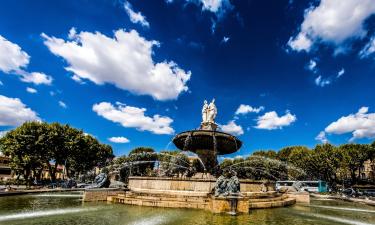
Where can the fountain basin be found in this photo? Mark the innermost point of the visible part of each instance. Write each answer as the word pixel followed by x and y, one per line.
pixel 204 140
pixel 198 194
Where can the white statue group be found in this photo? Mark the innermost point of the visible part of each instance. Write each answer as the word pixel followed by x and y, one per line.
pixel 209 112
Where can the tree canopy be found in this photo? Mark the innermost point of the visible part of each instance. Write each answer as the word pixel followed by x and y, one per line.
pixel 35 145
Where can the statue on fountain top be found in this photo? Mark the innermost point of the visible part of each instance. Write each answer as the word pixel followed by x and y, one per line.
pixel 209 112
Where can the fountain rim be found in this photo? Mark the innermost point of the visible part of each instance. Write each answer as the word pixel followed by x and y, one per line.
pixel 209 133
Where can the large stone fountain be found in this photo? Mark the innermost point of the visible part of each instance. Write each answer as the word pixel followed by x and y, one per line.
pixel 207 142
pixel 226 193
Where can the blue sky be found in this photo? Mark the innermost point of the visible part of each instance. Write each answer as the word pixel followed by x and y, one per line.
pixel 282 72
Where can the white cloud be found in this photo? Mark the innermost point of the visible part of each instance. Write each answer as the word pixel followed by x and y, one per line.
pixel 333 22
pixel 62 104
pixel 121 140
pixel 13 60
pixel 135 17
pixel 129 116
pixel 300 43
pixel 340 73
pixel 225 39
pixel 35 78
pixel 218 7
pixel 13 112
pixel 322 137
pixel 361 125
pixel 271 121
pixel 232 128
pixel 245 109
pixel 312 66
pixel 125 61
pixel 31 90
pixel 369 49
pixel 321 82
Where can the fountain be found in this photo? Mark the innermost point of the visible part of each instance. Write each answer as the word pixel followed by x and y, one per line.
pixel 207 142
pixel 220 191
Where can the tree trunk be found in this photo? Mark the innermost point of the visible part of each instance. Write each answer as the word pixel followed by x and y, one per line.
pixel 26 177
pixel 353 177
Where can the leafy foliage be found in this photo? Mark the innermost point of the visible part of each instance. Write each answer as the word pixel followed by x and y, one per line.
pixel 35 145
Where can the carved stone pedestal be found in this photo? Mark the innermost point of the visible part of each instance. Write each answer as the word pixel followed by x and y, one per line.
pixel 208 126
pixel 223 205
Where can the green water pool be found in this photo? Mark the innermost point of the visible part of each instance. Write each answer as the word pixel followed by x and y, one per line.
pixel 68 209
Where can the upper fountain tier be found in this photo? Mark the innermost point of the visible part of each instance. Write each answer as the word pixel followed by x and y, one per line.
pixel 206 137
pixel 195 140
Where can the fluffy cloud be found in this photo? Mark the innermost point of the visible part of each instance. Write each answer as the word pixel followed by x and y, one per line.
pixel 219 7
pixel 333 22
pixel 340 73
pixel 369 49
pixel 232 128
pixel 13 60
pixel 321 82
pixel 271 121
pixel 300 43
pixel 121 140
pixel 245 109
pixel 62 104
pixel 135 17
pixel 35 78
pixel 13 112
pixel 129 116
pixel 125 61
pixel 322 137
pixel 31 90
pixel 360 124
pixel 312 66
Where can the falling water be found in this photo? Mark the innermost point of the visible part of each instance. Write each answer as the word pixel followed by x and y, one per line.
pixel 215 143
pixel 261 170
pixel 266 170
pixel 188 140
pixel 170 155
pixel 235 142
pixel 167 146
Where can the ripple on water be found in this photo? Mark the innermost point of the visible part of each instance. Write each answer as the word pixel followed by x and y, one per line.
pixel 33 214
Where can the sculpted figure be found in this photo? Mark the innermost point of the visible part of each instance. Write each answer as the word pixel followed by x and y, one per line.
pixel 227 184
pixel 100 181
pixel 212 111
pixel 205 112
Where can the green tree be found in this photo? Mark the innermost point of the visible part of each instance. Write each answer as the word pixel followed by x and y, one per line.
pixel 142 160
pixel 24 146
pixel 324 163
pixel 284 153
pixel 297 162
pixel 175 163
pixel 266 153
pixel 354 155
pixel 34 145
